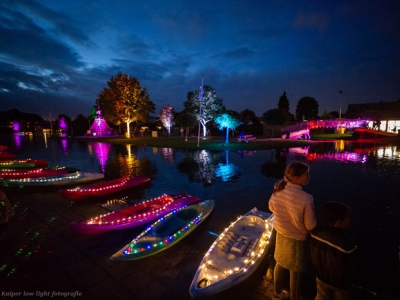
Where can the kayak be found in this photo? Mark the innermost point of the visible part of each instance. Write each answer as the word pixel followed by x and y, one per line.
pixel 166 232
pixel 57 180
pixel 23 164
pixel 136 215
pixel 104 188
pixel 6 155
pixel 235 254
pixel 33 173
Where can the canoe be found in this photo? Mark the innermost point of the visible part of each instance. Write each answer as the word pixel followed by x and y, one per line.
pixel 235 254
pixel 24 164
pixel 104 188
pixel 57 180
pixel 166 232
pixel 33 173
pixel 136 215
pixel 6 155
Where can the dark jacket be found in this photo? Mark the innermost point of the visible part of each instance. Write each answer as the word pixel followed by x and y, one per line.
pixel 333 256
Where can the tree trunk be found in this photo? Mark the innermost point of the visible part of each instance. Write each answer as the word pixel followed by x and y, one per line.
pixel 227 136
pixel 204 129
pixel 128 131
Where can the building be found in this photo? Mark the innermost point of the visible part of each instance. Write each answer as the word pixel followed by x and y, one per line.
pixel 384 116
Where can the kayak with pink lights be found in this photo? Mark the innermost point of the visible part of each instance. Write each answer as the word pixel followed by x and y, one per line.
pixel 135 215
pixel 104 188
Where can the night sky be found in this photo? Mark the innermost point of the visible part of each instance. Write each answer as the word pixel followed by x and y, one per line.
pixel 56 55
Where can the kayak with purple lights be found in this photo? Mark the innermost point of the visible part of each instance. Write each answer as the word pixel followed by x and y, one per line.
pixel 136 215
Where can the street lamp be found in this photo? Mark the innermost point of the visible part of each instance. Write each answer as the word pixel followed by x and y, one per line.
pixel 340 108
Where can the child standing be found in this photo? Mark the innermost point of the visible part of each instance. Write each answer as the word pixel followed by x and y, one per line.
pixel 294 216
pixel 333 253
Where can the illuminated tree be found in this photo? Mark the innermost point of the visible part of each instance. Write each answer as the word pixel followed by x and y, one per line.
pixel 166 115
pixel 125 101
pixel 211 106
pixel 64 123
pixel 229 121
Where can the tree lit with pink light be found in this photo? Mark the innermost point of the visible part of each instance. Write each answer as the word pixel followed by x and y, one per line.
pixel 166 115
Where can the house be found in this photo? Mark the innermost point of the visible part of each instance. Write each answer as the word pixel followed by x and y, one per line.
pixel 384 116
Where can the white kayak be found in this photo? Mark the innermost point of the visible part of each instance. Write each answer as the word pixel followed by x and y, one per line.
pixel 234 255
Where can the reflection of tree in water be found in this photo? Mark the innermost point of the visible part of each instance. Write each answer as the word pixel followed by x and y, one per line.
pixel 227 171
pixel 168 154
pixel 275 167
pixel 200 166
pixel 130 165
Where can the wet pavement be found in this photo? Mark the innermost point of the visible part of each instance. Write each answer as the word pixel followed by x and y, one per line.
pixel 40 256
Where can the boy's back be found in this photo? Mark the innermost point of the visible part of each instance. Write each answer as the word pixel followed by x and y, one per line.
pixel 333 256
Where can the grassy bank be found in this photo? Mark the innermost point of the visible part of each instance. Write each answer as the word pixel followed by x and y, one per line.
pixel 204 143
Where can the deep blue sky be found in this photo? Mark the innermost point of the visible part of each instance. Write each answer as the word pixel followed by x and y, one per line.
pixel 56 55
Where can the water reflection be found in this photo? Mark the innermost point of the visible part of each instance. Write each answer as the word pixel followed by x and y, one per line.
pixel 101 150
pixel 351 152
pixel 168 154
pixel 227 171
pixel 206 166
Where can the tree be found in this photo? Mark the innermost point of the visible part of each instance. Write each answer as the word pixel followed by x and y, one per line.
pixel 166 115
pixel 80 125
pixel 125 101
pixel 248 116
pixel 229 121
pixel 307 109
pixel 283 103
pixel 64 123
pixel 211 106
pixel 275 116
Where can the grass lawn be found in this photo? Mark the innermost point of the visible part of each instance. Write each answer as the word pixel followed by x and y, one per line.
pixel 204 143
pixel 332 136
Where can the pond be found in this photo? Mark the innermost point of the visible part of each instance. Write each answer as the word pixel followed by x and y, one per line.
pixel 364 176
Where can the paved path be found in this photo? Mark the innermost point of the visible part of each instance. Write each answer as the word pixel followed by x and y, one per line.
pixel 39 254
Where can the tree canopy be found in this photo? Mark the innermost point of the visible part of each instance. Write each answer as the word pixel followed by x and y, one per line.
pixel 275 116
pixel 228 120
pixel 166 115
pixel 307 109
pixel 211 106
pixel 283 103
pixel 125 101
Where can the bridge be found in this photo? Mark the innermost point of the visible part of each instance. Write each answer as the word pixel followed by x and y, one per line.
pixel 302 130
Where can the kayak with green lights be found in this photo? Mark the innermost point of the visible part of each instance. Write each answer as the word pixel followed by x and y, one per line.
pixel 166 232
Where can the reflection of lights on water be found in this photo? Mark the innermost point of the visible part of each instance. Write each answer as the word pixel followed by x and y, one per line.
pixel 64 144
pixel 101 150
pixel 388 152
pixel 168 154
pixel 226 171
pixel 339 145
pixel 17 140
pixel 357 156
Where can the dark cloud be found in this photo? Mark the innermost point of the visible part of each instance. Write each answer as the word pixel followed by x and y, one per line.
pixel 58 55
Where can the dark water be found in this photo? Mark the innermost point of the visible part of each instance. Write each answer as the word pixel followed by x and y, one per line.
pixel 364 176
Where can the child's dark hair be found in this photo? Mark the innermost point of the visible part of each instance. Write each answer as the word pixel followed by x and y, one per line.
pixel 293 169
pixel 332 211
